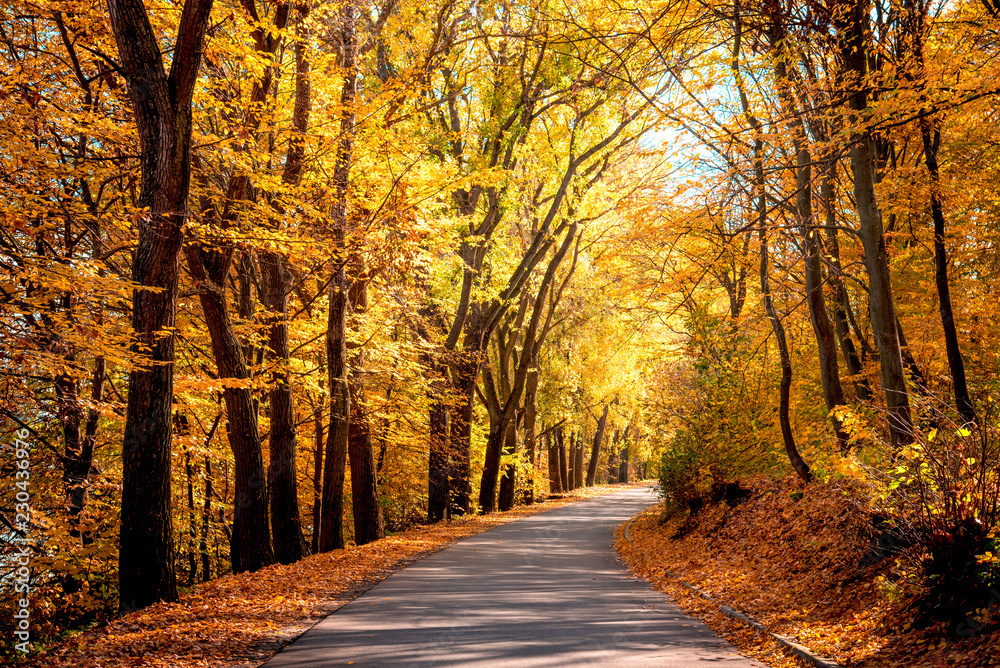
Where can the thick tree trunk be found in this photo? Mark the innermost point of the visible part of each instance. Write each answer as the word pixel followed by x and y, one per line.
pixel 286 525
pixel 335 456
pixel 595 452
pixel 162 107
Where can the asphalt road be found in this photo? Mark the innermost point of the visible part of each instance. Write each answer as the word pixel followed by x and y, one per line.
pixel 545 591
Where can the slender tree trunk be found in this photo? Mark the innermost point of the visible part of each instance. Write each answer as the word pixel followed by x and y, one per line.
pixel 369 524
pixel 530 420
pixel 317 510
pixel 438 469
pixel 853 26
pixel 555 480
pixel 578 463
pixel 509 479
pixel 966 410
pixel 765 285
pixel 251 531
pixel 571 461
pixel 563 464
pixel 595 453
pixel 286 525
pixel 206 518
pixel 841 299
pixel 334 469
pixel 192 524
pixel 162 107
pixel 823 330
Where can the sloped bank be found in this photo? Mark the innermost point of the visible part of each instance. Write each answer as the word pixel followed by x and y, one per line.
pixel 808 564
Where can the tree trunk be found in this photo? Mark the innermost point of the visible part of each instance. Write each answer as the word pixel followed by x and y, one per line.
pixel 286 525
pixel 853 26
pixel 317 511
pixel 578 464
pixel 555 480
pixel 162 107
pixel 509 480
pixel 563 464
pixel 955 362
pixel 841 300
pixel 206 517
pixel 466 373
pixel 571 462
pixel 369 524
pixel 438 469
pixel 530 420
pixel 332 522
pixel 595 452
pixel 251 532
pixel 612 476
pixel 823 330
pixel 765 285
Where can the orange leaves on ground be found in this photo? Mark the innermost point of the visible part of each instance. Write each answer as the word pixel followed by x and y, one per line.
pixel 243 619
pixel 794 565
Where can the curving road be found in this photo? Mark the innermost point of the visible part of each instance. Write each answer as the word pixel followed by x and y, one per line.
pixel 545 591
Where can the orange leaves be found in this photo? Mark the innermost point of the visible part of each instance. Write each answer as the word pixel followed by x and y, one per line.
pixel 794 565
pixel 231 618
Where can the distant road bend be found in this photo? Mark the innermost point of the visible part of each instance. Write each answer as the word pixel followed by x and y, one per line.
pixel 545 591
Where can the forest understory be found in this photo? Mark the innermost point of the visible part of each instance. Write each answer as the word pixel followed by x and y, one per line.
pixel 811 564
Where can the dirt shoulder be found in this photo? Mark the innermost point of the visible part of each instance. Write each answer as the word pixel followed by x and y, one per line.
pixel 800 561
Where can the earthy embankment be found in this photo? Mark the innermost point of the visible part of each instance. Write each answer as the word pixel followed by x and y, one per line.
pixel 241 620
pixel 803 567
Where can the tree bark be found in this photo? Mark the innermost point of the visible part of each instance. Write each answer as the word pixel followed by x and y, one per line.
pixel 853 27
pixel 595 452
pixel 829 371
pixel 438 469
pixel 563 464
pixel 161 102
pixel 369 523
pixel 530 421
pixel 841 299
pixel 555 479
pixel 798 464
pixel 966 410
pixel 578 462
pixel 286 525
pixel 332 522
pixel 508 481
